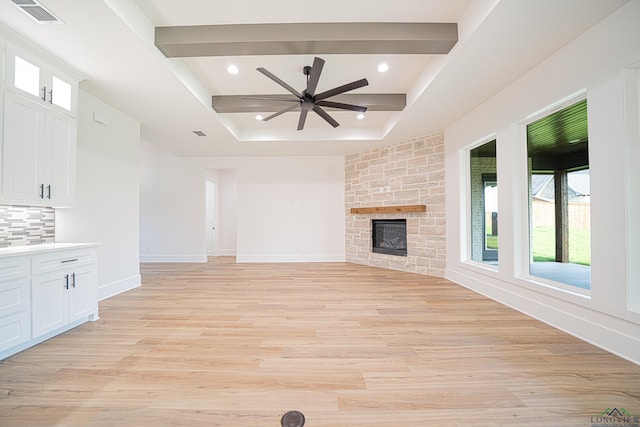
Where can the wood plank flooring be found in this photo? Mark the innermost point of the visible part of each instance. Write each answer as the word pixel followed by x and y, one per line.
pixel 225 344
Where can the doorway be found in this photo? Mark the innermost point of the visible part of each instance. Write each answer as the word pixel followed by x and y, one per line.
pixel 211 218
pixel 221 212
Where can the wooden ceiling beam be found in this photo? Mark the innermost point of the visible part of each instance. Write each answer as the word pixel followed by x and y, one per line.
pixel 307 38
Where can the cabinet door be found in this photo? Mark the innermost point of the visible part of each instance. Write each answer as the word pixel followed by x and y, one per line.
pixel 63 94
pixel 25 75
pixel 50 303
pixel 15 302
pixel 15 296
pixel 39 154
pixel 23 144
pixel 82 293
pixel 14 329
pixel 60 167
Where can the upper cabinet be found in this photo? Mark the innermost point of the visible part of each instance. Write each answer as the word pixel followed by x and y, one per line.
pixel 39 133
pixel 38 154
pixel 31 78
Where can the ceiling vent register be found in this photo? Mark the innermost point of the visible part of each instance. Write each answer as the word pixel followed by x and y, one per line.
pixel 37 11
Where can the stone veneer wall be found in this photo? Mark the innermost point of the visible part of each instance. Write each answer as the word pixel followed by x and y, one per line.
pixel 24 225
pixel 409 173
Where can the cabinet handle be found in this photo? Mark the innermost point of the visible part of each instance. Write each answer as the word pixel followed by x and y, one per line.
pixel 64 261
pixel 42 191
pixel 73 277
pixel 44 93
pixel 51 96
pixel 66 279
pixel 49 191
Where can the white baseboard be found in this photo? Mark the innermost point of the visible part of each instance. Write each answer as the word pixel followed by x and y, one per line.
pixel 607 332
pixel 114 288
pixel 290 258
pixel 173 258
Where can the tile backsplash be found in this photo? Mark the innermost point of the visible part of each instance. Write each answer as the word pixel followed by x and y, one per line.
pixel 26 225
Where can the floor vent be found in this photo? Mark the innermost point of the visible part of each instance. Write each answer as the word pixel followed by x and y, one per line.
pixel 37 11
pixel 292 419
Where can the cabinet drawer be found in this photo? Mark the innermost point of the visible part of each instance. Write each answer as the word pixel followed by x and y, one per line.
pixel 15 296
pixel 61 260
pixel 14 268
pixel 14 330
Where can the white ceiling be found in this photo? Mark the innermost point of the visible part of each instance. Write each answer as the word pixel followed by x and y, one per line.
pixel 110 43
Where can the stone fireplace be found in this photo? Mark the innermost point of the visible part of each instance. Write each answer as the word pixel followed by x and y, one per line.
pixel 409 173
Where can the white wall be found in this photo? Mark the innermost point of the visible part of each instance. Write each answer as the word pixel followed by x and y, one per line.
pixel 291 209
pixel 594 62
pixel 107 195
pixel 286 208
pixel 172 208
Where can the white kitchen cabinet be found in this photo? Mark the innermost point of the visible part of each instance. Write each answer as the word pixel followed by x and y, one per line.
pixel 15 296
pixel 45 290
pixel 34 79
pixel 38 154
pixel 39 132
pixel 62 297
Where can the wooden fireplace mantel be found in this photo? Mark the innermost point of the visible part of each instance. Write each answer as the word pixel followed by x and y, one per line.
pixel 389 209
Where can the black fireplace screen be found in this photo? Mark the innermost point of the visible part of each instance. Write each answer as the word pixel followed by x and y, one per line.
pixel 389 236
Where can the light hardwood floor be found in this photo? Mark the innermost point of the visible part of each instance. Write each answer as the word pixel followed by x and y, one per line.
pixel 225 344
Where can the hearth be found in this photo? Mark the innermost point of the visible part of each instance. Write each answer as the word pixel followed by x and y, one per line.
pixel 389 236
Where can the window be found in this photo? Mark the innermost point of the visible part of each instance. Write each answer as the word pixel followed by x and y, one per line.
pixel 559 197
pixel 484 203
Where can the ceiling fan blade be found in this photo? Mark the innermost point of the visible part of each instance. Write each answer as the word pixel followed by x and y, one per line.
pixel 314 77
pixel 342 106
pixel 268 98
pixel 302 119
pixel 277 113
pixel 325 116
pixel 341 89
pixel 280 82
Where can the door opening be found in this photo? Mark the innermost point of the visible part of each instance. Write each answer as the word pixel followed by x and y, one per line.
pixel 211 202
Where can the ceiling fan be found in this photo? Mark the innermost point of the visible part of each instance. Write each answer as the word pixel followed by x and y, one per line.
pixel 308 100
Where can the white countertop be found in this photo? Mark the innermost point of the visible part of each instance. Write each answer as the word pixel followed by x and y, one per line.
pixel 45 247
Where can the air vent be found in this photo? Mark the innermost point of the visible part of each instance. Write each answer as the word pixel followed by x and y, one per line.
pixel 37 11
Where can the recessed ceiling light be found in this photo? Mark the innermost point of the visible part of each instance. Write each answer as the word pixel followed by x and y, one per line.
pixel 259 117
pixel 232 69
pixel 383 67
pixel 360 116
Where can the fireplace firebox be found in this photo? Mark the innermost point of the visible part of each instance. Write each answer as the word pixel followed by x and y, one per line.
pixel 389 236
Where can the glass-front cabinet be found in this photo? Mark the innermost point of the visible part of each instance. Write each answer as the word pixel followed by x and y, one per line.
pixel 33 79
